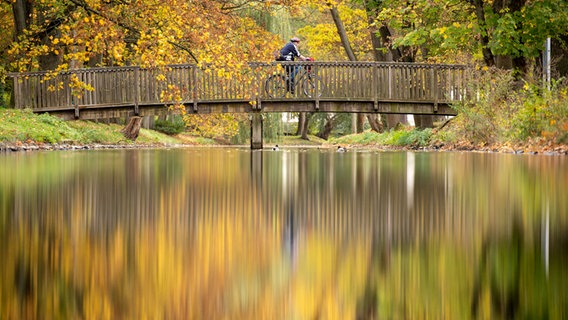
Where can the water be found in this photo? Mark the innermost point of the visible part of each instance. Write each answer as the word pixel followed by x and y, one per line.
pixel 226 233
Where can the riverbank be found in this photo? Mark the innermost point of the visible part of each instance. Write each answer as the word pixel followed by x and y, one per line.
pixel 22 131
pixel 528 148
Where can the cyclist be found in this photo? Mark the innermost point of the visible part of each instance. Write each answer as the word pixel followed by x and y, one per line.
pixel 289 53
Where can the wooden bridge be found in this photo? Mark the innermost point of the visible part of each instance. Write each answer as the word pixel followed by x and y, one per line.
pixel 353 87
pixel 367 87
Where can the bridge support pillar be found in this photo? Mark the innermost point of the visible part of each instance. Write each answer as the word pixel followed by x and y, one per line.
pixel 255 130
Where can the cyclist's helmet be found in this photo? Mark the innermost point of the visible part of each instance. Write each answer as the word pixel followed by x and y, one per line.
pixel 295 39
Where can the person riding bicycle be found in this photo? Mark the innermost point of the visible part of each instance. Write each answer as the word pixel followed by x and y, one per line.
pixel 289 53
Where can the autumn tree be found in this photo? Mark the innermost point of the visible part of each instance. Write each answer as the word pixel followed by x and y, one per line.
pixel 64 34
pixel 506 34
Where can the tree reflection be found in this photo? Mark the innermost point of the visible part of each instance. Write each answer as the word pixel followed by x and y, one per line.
pixel 210 234
pixel 499 269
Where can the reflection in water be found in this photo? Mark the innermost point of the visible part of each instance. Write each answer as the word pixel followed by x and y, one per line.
pixel 293 234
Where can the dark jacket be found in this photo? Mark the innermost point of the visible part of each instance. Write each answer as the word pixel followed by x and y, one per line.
pixel 289 52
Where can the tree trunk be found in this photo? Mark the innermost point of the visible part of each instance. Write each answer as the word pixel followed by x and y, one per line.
pixel 301 120
pixel 403 54
pixel 304 132
pixel 49 61
pixel 560 54
pixel 423 121
pixel 342 34
pixel 371 11
pixel 348 50
pixel 132 129
pixel 358 119
pixel 483 36
pixel 394 120
pixel 22 10
pixel 360 122
pixel 374 122
pixel 400 53
pixel 396 55
pixel 328 126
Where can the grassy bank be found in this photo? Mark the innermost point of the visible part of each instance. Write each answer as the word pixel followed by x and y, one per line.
pixel 19 127
pixel 24 128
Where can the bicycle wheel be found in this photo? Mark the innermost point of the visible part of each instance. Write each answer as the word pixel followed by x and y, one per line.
pixel 311 85
pixel 275 86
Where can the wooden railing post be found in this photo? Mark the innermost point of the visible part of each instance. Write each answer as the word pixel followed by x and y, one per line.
pixel 315 71
pixel 72 99
pixel 257 94
pixel 435 87
pixel 136 84
pixel 195 88
pixel 390 81
pixel 17 92
pixel 375 87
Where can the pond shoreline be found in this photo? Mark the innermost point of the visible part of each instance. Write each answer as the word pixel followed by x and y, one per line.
pixel 559 150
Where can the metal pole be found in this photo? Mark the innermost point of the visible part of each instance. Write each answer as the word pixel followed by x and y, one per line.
pixel 546 64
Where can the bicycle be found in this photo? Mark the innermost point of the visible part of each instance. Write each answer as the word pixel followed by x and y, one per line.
pixel 277 85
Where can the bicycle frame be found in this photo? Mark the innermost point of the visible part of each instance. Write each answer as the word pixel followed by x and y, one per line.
pixel 279 84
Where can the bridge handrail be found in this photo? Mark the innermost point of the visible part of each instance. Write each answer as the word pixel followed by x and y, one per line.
pixel 188 66
pixel 95 70
pixel 364 64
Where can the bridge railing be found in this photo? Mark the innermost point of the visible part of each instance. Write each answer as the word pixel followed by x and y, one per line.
pixel 381 81
pixel 189 84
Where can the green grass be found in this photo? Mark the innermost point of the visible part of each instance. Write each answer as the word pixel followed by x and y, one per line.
pixel 399 138
pixel 297 141
pixel 26 127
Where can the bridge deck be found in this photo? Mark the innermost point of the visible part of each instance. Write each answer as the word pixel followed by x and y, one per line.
pixel 368 87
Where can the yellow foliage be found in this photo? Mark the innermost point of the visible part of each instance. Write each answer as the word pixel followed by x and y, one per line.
pixel 324 42
pixel 146 33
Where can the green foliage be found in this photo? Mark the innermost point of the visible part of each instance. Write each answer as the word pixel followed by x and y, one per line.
pixel 243 133
pixel 539 112
pixel 447 30
pixel 417 137
pixel 522 33
pixel 414 138
pixel 444 136
pixel 481 116
pixel 23 125
pixel 399 138
pixel 343 125
pixel 498 111
pixel 365 138
pixel 440 30
pixel 272 128
pixel 95 133
pixel 298 141
pixel 172 126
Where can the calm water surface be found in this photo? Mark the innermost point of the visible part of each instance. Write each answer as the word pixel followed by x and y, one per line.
pixel 226 233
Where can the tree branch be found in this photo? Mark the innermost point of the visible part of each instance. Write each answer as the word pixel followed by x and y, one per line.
pixel 135 31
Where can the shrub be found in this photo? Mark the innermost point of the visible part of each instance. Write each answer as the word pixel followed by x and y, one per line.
pixel 171 127
pixel 540 112
pixel 498 109
pixel 482 116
